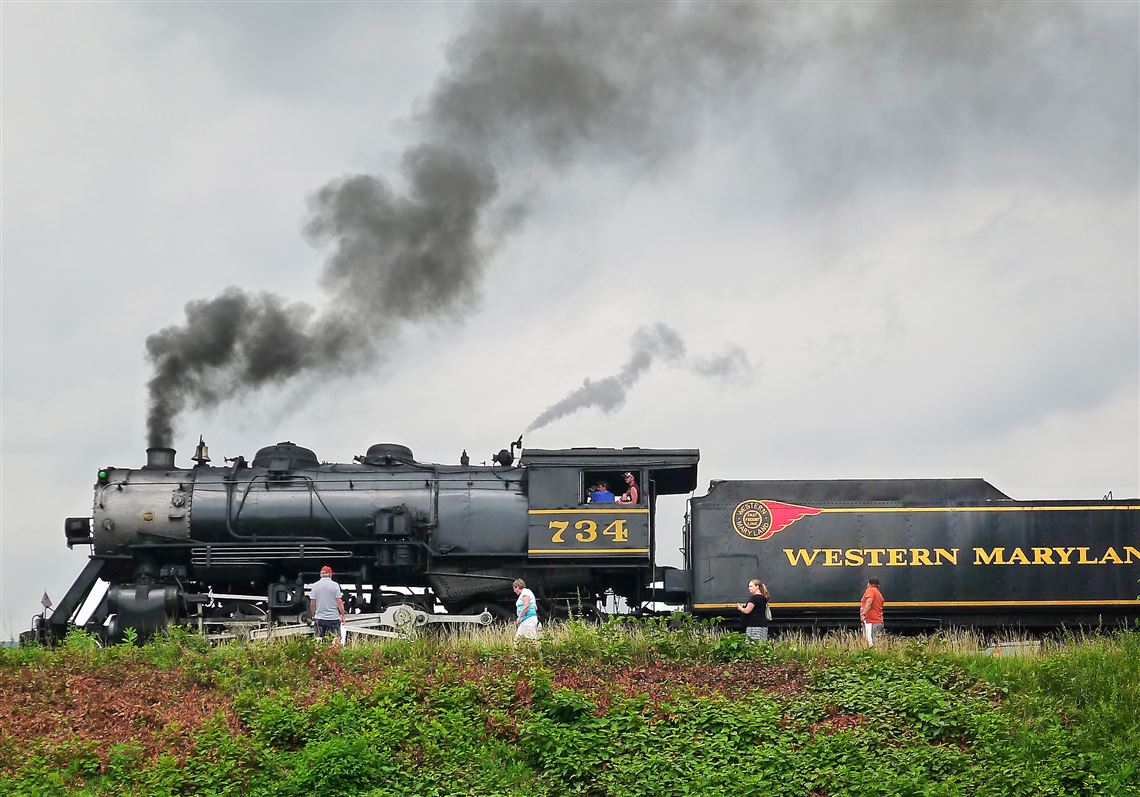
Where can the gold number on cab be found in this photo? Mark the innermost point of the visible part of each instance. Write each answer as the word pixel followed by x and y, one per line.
pixel 587 531
pixel 617 530
pixel 560 527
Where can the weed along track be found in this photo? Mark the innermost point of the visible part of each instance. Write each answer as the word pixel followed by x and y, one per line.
pixel 584 711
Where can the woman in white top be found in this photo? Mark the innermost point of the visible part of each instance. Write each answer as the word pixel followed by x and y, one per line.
pixel 526 614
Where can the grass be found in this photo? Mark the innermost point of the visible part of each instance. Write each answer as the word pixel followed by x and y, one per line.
pixel 621 709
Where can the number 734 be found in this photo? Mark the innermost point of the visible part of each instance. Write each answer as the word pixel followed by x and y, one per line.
pixel 587 530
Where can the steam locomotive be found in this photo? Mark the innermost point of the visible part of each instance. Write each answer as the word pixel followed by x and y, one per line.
pixel 241 541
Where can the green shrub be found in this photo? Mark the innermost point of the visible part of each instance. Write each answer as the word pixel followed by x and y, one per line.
pixel 273 720
pixel 457 715
pixel 335 766
pixel 734 647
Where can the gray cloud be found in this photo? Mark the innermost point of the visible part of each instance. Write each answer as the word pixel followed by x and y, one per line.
pixel 845 91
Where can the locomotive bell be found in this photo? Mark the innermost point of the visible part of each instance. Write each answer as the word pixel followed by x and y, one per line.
pixel 201 453
pixel 504 458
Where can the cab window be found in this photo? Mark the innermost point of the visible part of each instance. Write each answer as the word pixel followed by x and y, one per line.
pixel 593 482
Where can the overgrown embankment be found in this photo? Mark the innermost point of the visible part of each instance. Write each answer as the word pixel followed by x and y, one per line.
pixel 588 711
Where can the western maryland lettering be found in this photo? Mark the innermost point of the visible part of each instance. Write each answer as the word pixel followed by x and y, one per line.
pixel 935 557
pixel 1077 555
pixel 756 521
pixel 871 557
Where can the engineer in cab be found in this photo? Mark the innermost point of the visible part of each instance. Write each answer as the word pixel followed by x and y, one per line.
pixel 632 495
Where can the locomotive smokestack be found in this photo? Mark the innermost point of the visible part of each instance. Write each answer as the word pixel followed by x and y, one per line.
pixel 159 459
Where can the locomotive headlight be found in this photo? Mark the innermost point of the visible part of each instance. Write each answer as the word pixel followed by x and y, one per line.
pixel 77 530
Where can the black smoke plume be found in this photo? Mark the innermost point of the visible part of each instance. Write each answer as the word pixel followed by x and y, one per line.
pixel 843 91
pixel 237 341
pixel 648 345
pixel 528 87
pixel 397 259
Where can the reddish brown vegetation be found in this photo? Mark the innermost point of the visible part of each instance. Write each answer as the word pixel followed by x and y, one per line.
pixel 159 710
pixel 837 721
pixel 132 701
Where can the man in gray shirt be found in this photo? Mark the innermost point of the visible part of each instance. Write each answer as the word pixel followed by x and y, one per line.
pixel 326 605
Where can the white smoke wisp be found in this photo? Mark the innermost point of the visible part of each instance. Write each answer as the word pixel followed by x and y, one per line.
pixel 648 345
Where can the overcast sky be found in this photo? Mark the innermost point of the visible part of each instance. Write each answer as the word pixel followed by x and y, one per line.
pixel 917 223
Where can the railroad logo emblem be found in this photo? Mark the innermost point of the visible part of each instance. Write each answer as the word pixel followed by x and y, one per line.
pixel 148 516
pixel 759 520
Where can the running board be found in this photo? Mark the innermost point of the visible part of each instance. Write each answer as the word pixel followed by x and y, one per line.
pixel 395 622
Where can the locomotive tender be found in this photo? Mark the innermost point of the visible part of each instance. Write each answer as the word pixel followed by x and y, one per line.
pixel 948 552
pixel 218 543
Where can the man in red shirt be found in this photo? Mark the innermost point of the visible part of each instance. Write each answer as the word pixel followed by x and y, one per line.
pixel 871 611
pixel 631 495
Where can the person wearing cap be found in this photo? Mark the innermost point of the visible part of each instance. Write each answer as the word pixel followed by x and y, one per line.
pixel 631 495
pixel 326 605
pixel 871 612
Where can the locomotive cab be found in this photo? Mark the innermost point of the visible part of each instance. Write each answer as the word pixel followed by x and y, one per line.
pixel 564 524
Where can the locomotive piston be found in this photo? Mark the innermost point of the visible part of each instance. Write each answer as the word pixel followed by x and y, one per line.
pixel 143 607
